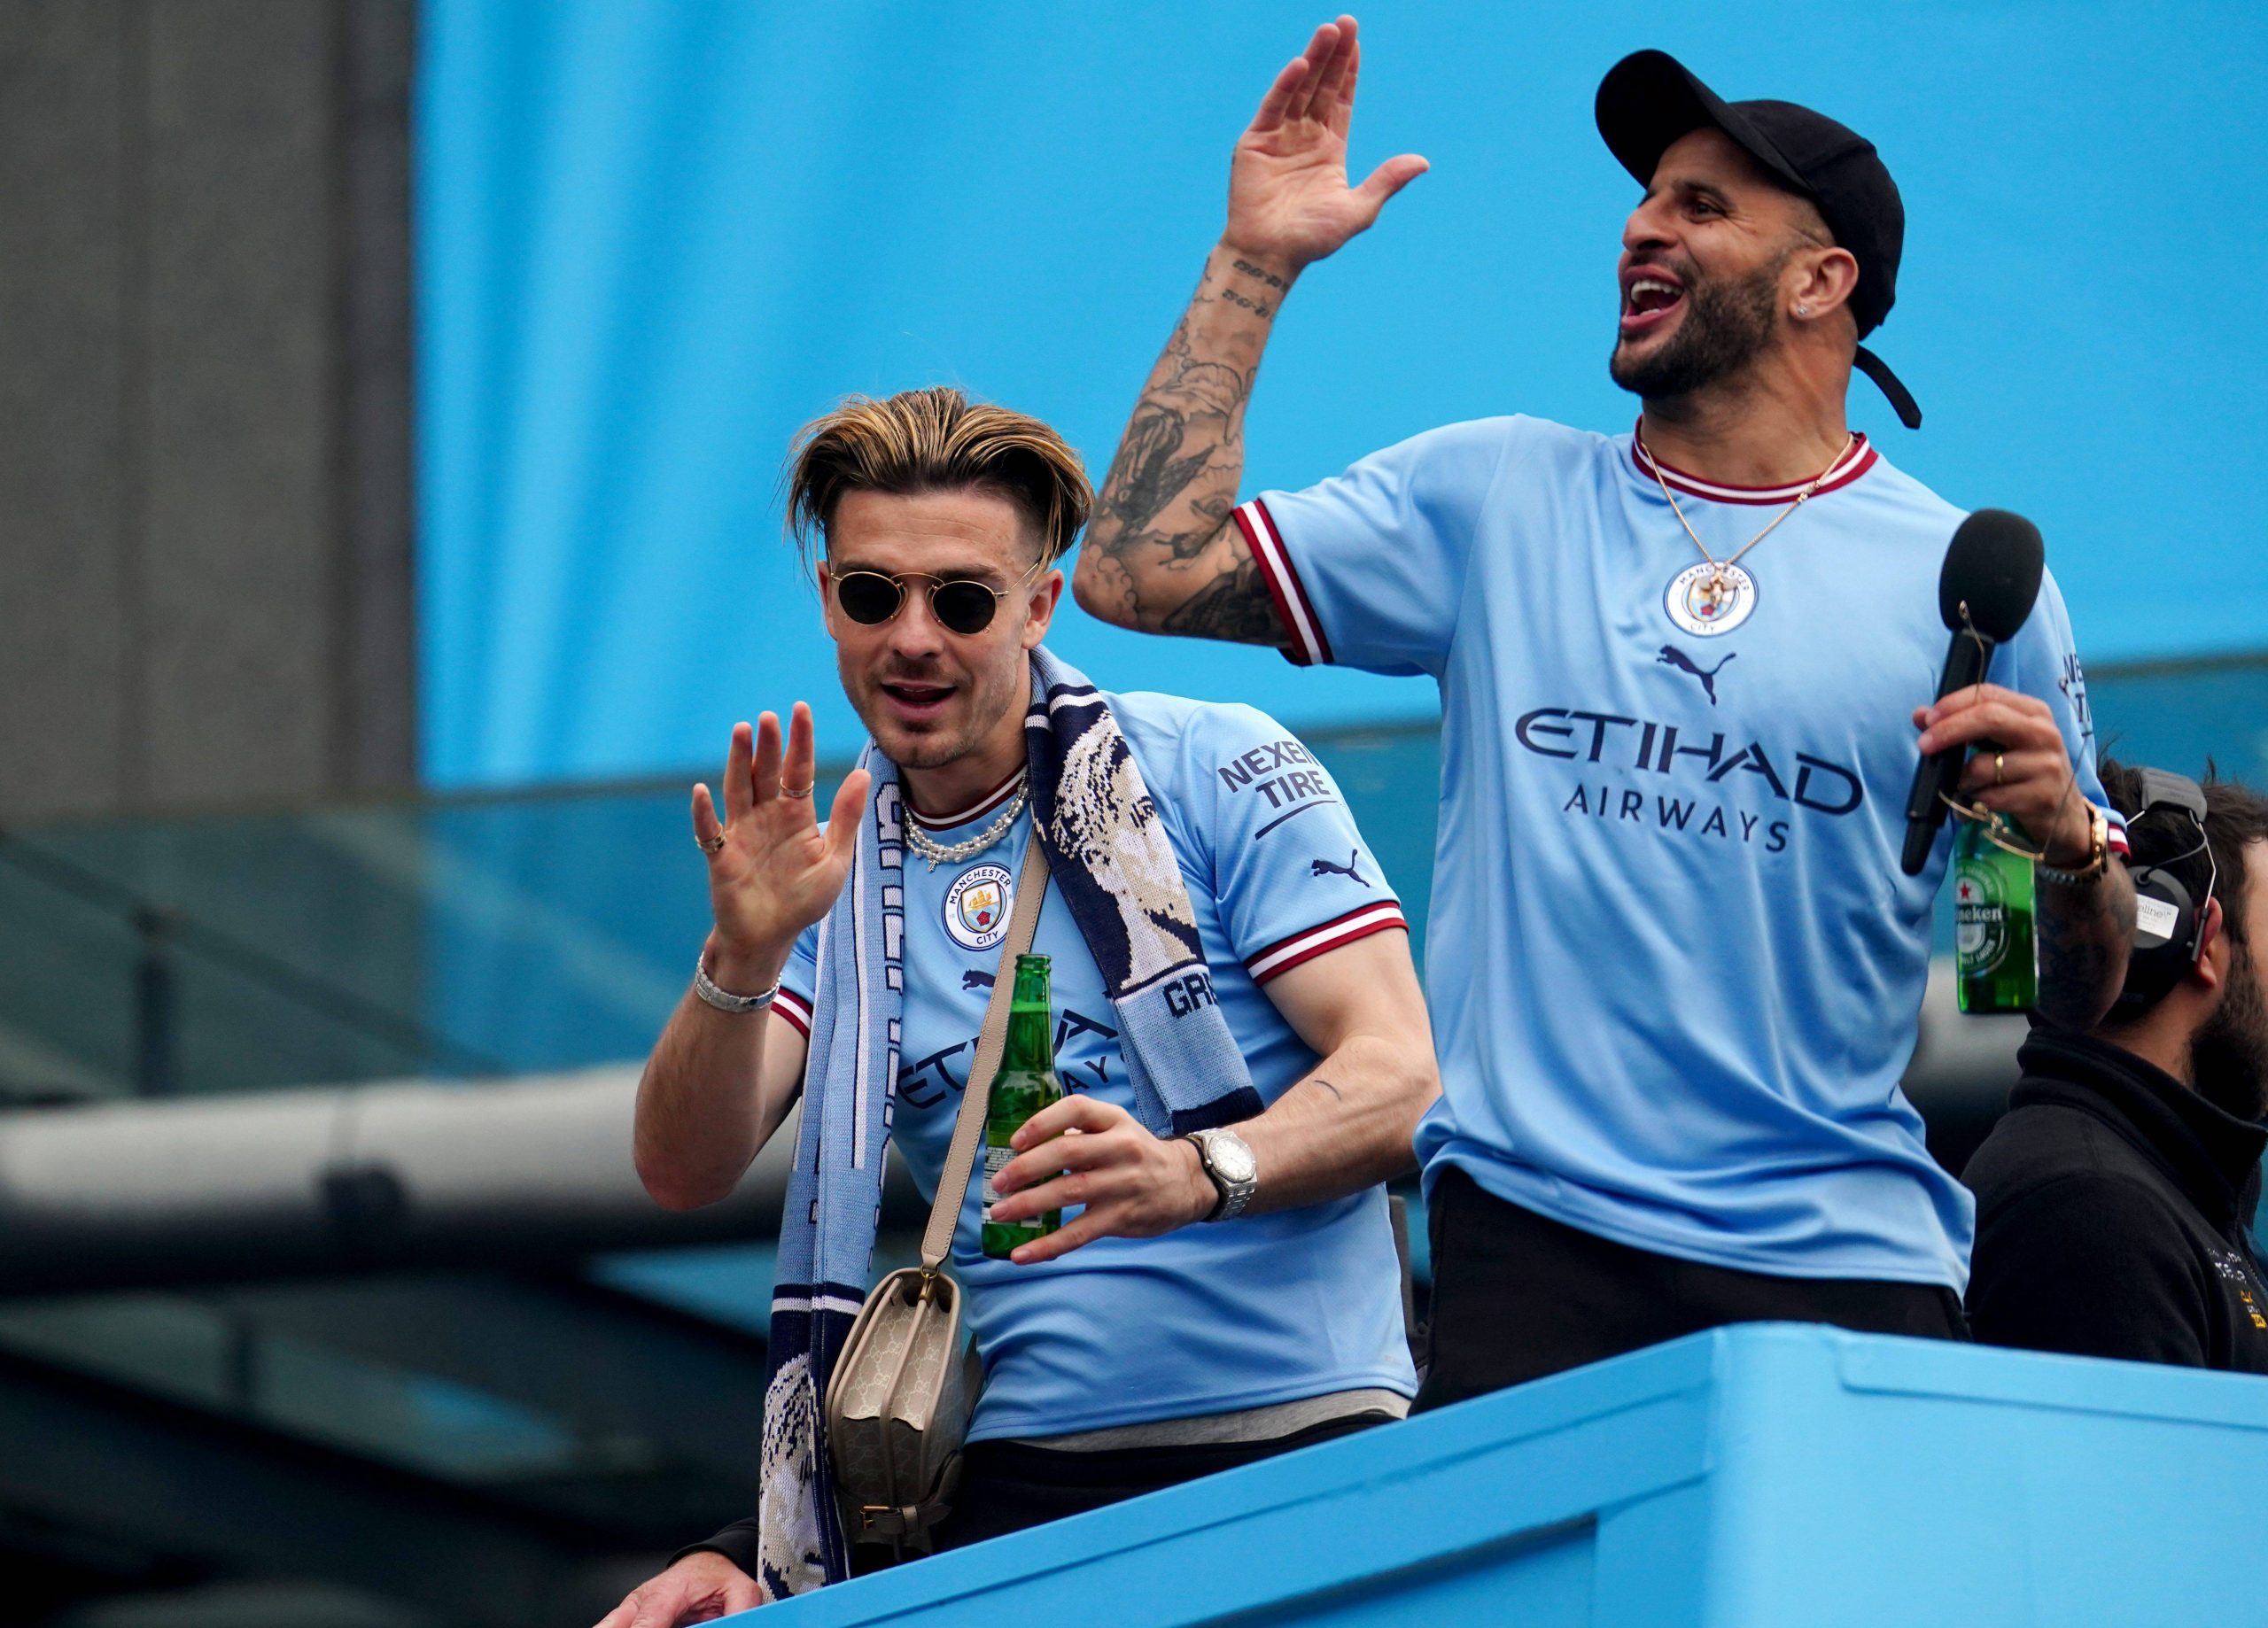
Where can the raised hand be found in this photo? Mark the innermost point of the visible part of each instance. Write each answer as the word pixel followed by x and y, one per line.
pixel 773 872
pixel 1289 200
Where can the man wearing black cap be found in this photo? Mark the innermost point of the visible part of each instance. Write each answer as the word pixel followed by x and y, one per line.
pixel 1674 966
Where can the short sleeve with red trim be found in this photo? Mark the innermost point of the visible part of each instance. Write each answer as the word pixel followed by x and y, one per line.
pixel 1262 827
pixel 1368 568
pixel 798 979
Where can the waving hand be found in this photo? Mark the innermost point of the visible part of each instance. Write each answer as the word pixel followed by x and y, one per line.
pixel 1288 195
pixel 773 872
pixel 1162 554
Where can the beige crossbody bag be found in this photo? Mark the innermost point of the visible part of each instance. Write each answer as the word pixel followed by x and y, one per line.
pixel 898 1405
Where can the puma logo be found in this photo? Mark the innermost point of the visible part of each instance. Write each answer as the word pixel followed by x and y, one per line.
pixel 1324 867
pixel 976 980
pixel 1672 657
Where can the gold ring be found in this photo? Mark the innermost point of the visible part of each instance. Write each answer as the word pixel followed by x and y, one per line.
pixel 2000 767
pixel 799 791
pixel 709 845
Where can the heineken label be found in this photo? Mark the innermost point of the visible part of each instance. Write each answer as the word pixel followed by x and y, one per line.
pixel 1980 919
pixel 996 1160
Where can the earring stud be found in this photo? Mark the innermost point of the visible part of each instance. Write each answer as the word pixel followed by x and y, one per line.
pixel 1803 310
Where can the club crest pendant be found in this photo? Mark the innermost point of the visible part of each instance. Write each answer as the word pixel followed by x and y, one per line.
pixel 1706 600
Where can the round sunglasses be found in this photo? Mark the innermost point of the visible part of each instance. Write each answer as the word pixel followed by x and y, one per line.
pixel 960 604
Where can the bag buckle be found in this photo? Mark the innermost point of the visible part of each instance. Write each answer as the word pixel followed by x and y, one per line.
pixel 890 1520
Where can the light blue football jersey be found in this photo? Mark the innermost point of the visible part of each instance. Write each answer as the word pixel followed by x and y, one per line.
pixel 1674 969
pixel 1212 1318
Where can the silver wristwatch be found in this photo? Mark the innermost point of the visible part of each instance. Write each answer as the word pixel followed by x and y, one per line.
pixel 1228 1160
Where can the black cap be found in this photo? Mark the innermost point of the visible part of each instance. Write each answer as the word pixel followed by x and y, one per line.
pixel 1649 99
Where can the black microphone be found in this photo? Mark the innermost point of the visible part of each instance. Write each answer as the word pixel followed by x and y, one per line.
pixel 1985 593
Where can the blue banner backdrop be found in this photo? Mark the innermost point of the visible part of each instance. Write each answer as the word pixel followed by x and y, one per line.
pixel 654 238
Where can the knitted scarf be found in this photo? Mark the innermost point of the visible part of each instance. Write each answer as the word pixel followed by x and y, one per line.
pixel 1114 867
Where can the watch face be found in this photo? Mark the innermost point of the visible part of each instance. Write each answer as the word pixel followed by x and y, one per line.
pixel 1231 1158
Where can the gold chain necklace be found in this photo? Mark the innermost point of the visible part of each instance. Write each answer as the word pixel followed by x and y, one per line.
pixel 1713 593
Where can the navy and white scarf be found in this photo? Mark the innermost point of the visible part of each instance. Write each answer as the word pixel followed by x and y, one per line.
pixel 1110 858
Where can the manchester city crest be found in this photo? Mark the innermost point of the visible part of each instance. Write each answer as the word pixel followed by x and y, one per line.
pixel 976 907
pixel 1708 599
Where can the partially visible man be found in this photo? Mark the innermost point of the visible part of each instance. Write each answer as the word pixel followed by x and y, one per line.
pixel 2115 1201
pixel 1241 1029
pixel 1676 974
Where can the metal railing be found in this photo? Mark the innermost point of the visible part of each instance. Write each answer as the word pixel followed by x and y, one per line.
pixel 165 936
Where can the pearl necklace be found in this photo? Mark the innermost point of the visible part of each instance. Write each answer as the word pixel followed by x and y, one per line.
pixel 939 853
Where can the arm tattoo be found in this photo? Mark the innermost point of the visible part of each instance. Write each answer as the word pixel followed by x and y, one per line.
pixel 1181 419
pixel 1326 1085
pixel 2081 931
pixel 1159 552
pixel 1235 605
pixel 1269 278
pixel 1146 475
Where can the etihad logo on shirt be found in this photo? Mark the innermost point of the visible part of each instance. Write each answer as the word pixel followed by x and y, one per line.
pixel 1690 765
pixel 1659 748
pixel 1085 1048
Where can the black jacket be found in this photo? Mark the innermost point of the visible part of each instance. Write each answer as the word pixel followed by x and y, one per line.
pixel 2114 1213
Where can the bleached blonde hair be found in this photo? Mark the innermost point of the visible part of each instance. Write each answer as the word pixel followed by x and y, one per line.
pixel 936 440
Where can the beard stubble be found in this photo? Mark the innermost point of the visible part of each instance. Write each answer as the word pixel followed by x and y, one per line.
pixel 1728 324
pixel 2228 1055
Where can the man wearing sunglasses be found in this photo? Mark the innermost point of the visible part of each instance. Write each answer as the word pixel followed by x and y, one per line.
pixel 1135 1347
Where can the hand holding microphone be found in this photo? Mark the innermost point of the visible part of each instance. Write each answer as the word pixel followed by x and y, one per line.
pixel 2022 767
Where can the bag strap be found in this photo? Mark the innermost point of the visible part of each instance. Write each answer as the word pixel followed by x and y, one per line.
pixel 969 1129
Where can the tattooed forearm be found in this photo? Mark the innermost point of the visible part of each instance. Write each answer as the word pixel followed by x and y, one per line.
pixel 1179 547
pixel 1259 275
pixel 1161 555
pixel 1234 605
pixel 1149 471
pixel 2084 933
pixel 1187 419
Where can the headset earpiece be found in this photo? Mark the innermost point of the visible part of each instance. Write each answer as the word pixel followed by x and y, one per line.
pixel 2168 923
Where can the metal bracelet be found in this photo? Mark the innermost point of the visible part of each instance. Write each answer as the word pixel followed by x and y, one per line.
pixel 2097 862
pixel 738 1005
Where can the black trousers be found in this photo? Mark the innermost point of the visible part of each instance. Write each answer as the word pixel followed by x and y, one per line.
pixel 1518 1295
pixel 1008 1485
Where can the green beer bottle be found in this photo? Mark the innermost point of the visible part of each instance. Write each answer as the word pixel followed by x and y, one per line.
pixel 1025 1084
pixel 1995 950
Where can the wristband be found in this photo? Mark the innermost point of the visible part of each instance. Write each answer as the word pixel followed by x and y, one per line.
pixel 738 1005
pixel 2098 854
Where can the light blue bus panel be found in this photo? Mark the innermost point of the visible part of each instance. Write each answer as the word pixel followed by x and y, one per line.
pixel 1774 1473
